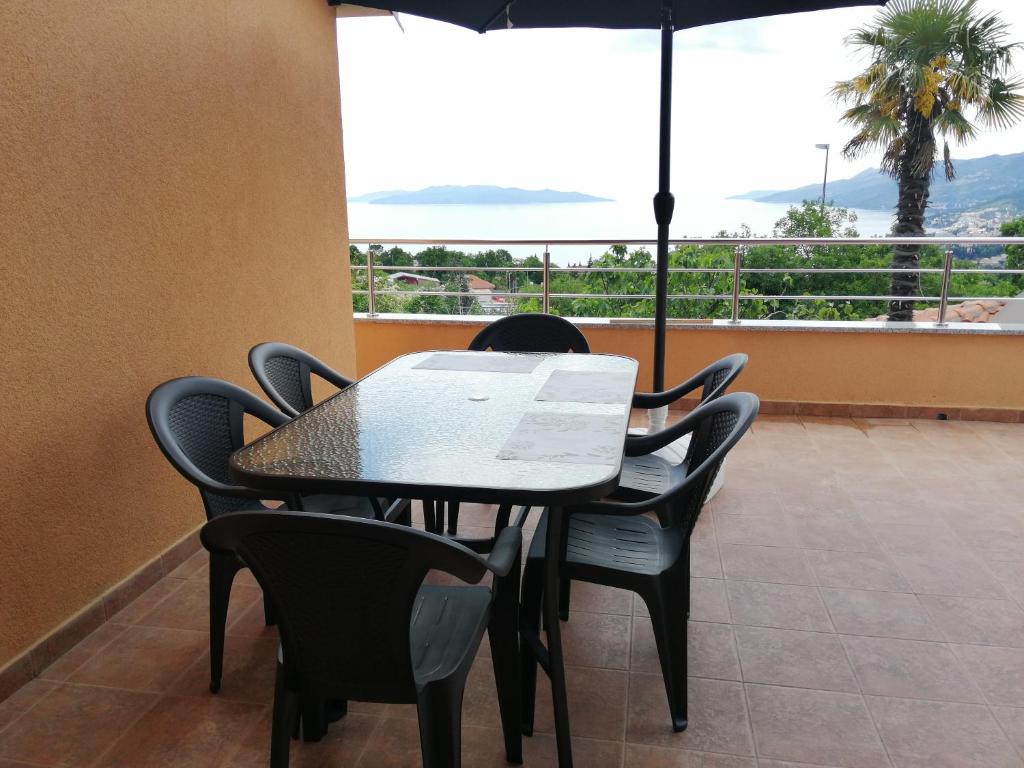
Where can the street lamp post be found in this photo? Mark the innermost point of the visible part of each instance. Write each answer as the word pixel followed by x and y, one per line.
pixel 824 182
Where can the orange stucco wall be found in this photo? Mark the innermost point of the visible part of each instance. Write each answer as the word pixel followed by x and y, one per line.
pixel 819 366
pixel 171 192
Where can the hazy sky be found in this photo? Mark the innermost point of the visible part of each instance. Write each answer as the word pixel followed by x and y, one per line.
pixel 577 109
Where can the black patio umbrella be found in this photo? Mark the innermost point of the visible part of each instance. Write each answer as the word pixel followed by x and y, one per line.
pixel 666 15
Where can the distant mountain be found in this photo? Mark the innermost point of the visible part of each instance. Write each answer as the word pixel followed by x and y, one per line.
pixel 988 183
pixel 475 195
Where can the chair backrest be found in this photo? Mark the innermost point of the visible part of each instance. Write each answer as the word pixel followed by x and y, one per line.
pixel 530 332
pixel 720 374
pixel 283 372
pixel 197 422
pixel 343 591
pixel 718 425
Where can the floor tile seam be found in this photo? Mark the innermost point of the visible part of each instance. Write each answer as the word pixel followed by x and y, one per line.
pixel 985 698
pixel 159 602
pixel 100 650
pixel 131 723
pixel 718 549
pixel 148 691
pixel 369 739
pixel 629 743
pixel 867 709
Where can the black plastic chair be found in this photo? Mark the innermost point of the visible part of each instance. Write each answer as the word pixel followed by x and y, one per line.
pixel 530 332
pixel 357 622
pixel 284 372
pixel 198 423
pixel 615 544
pixel 653 473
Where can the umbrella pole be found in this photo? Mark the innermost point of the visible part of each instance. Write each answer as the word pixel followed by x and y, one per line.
pixel 664 203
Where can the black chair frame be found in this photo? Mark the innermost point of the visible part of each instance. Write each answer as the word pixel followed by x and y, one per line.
pixel 284 373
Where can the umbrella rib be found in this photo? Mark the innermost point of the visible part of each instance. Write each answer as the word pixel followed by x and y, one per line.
pixel 503 8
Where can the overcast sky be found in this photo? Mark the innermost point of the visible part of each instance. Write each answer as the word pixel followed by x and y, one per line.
pixel 577 109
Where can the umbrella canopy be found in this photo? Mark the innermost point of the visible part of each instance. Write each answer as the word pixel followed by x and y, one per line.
pixel 666 15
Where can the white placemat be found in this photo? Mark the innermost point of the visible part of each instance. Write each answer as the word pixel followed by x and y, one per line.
pixel 569 438
pixel 455 361
pixel 587 387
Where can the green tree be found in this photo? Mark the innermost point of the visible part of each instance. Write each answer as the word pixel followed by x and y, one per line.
pixel 931 61
pixel 1014 253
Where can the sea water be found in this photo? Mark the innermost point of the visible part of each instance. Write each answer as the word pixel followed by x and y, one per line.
pixel 615 221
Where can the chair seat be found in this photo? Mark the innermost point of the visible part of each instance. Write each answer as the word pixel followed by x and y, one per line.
pixel 445 630
pixel 350 506
pixel 634 544
pixel 646 476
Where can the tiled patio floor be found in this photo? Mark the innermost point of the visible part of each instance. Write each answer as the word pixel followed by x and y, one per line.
pixel 857 601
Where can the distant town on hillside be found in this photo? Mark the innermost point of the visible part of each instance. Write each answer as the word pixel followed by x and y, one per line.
pixel 985 192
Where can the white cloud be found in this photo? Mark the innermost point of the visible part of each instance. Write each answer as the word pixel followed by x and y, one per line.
pixel 577 109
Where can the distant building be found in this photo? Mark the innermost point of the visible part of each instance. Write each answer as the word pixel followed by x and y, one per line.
pixel 483 292
pixel 408 278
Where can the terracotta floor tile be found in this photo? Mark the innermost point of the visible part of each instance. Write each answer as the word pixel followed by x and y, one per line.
pixel 879 614
pixel 998 671
pixel 194 732
pixel 777 605
pixel 711 650
pixel 24 699
pixel 597 703
pixel 644 756
pixel 344 743
pixel 143 659
pixel 63 667
pixel 783 565
pixel 707 601
pixel 596 640
pixel 717 716
pixel 940 734
pixel 977 621
pixel 757 530
pixel 962 575
pixel 250 666
pixel 788 657
pixel 834 532
pixel 595 598
pixel 1012 721
pixel 72 725
pixel 914 669
pixel 820 727
pixel 188 607
pixel 856 570
pixel 480 702
pixel 485 748
pixel 704 559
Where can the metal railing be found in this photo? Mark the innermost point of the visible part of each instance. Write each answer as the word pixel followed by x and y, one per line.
pixel 737 270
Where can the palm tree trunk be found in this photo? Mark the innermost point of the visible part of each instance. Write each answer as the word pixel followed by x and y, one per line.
pixel 914 182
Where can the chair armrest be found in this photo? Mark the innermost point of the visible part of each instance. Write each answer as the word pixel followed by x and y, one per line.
pixel 641 445
pixel 505 551
pixel 658 399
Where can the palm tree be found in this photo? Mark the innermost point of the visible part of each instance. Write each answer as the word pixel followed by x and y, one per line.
pixel 931 62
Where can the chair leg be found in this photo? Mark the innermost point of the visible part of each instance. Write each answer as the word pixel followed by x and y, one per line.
pixel 439 707
pixel 503 632
pixel 268 613
pixel 284 721
pixel 453 518
pixel 563 598
pixel 668 609
pixel 313 716
pixel 529 620
pixel 223 568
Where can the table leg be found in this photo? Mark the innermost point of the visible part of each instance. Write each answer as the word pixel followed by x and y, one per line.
pixel 552 581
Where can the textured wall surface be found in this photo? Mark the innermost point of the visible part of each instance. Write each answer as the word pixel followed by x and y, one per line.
pixel 171 192
pixel 903 369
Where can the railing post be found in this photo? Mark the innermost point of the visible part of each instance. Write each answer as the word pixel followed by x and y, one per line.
pixel 737 268
pixel 546 282
pixel 947 271
pixel 371 291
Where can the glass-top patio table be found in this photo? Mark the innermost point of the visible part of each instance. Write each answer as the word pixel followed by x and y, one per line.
pixel 544 430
